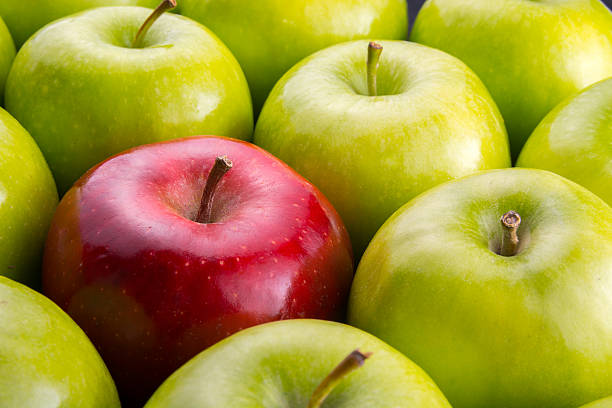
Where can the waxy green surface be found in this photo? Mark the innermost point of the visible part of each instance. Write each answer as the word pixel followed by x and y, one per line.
pixel 602 403
pixel 531 54
pixel 46 361
pixel 269 36
pixel 531 330
pixel 27 202
pixel 24 17
pixel 433 121
pixel 85 95
pixel 280 364
pixel 575 140
pixel 7 55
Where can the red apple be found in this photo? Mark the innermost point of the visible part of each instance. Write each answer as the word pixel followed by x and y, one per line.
pixel 152 287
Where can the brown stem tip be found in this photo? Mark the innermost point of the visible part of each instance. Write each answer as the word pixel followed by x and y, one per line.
pixel 511 222
pixel 222 165
pixel 352 362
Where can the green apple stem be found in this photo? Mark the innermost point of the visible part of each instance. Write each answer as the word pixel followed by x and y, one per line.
pixel 510 242
pixel 374 51
pixel 164 6
pixel 222 165
pixel 352 362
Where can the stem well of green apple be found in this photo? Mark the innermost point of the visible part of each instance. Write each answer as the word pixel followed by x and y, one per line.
pixel 352 362
pixel 164 6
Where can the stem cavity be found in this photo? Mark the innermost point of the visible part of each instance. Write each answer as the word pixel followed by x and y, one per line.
pixel 164 6
pixel 352 362
pixel 510 242
pixel 374 51
pixel 222 165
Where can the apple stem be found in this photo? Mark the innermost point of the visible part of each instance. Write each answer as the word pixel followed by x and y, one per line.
pixel 510 242
pixel 352 362
pixel 164 6
pixel 374 51
pixel 222 165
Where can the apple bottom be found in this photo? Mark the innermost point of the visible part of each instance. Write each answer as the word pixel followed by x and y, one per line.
pixel 155 346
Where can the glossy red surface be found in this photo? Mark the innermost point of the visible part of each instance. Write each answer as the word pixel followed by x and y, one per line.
pixel 152 288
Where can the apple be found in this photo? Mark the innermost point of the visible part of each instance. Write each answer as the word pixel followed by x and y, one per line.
pixel 7 54
pixel 24 17
pixel 602 403
pixel 531 54
pixel 157 254
pixel 28 199
pixel 501 313
pixel 279 365
pixel 574 140
pixel 85 89
pixel 431 121
pixel 47 361
pixel 270 36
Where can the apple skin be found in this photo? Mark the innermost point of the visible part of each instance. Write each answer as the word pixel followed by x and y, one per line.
pixel 152 288
pixel 28 199
pixel 84 94
pixel 433 121
pixel 47 361
pixel 530 330
pixel 574 140
pixel 7 55
pixel 602 403
pixel 530 54
pixel 279 365
pixel 25 17
pixel 281 33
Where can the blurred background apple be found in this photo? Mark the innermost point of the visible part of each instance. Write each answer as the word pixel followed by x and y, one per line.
pixel 24 17
pixel 269 36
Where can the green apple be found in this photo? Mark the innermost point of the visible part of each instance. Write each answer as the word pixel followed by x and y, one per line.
pixel 25 17
pixel 27 202
pixel 432 121
pixel 602 403
pixel 46 361
pixel 575 140
pixel 7 54
pixel 85 91
pixel 531 54
pixel 269 36
pixel 501 314
pixel 281 364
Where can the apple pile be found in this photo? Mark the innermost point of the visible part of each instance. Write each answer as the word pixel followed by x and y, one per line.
pixel 226 203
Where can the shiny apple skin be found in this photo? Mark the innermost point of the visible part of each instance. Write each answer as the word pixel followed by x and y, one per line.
pixel 575 140
pixel 268 37
pixel 152 288
pixel 46 361
pixel 28 198
pixel 7 55
pixel 25 17
pixel 530 54
pixel 84 94
pixel 527 331
pixel 432 121
pixel 278 365
pixel 602 403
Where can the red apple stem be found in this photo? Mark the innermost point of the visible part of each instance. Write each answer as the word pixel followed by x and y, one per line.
pixel 374 51
pixel 222 165
pixel 510 242
pixel 352 362
pixel 164 6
